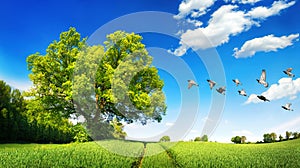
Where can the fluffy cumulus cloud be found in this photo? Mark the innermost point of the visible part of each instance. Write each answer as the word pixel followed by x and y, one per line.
pixel 262 12
pixel 243 1
pixel 266 44
pixel 225 22
pixel 194 8
pixel 286 88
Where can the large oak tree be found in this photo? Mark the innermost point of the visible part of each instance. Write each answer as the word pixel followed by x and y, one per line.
pixel 104 84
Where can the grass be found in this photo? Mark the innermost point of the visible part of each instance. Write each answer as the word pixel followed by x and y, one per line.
pixel 183 154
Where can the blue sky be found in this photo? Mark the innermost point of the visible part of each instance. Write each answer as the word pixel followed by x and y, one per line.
pixel 247 35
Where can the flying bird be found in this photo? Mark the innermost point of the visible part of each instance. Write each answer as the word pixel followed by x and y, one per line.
pixel 262 79
pixel 242 92
pixel 287 107
pixel 288 72
pixel 191 83
pixel 211 83
pixel 261 97
pixel 221 90
pixel 237 82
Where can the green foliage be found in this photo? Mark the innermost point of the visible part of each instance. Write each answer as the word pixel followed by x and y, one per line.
pixel 288 135
pixel 13 124
pixel 267 138
pixel 197 139
pixel 120 80
pixel 165 139
pixel 52 73
pixel 273 136
pixel 236 139
pixel 204 138
pixel 127 85
pixel 80 134
pixel 243 139
pixel 295 135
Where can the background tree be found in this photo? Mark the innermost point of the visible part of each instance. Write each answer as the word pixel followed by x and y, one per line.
pixel 267 138
pixel 165 139
pixel 273 136
pixel 288 135
pixel 204 138
pixel 197 139
pixel 5 91
pixel 236 139
pixel 243 139
pixel 295 135
pixel 280 137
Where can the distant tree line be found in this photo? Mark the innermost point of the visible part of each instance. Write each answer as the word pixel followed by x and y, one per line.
pixel 24 121
pixel 268 138
pixel 204 138
pixel 272 137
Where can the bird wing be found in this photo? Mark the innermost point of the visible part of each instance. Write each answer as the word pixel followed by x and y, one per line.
pixel 190 85
pixel 243 92
pixel 289 69
pixel 288 105
pixel 263 75
pixel 211 84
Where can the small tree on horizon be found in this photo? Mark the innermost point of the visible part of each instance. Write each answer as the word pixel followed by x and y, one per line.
pixel 197 139
pixel 280 137
pixel 204 138
pixel 236 139
pixel 295 135
pixel 165 139
pixel 243 139
pixel 267 138
pixel 288 135
pixel 273 136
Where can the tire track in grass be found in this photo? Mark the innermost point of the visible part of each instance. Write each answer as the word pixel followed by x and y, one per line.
pixel 139 162
pixel 171 157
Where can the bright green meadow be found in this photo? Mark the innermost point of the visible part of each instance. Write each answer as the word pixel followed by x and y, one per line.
pixel 181 154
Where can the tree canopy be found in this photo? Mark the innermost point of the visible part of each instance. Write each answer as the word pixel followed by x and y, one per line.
pixel 104 84
pixel 165 139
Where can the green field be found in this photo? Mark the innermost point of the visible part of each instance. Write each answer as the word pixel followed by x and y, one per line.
pixel 183 154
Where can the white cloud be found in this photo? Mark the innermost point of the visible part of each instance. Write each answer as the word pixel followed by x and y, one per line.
pixel 195 22
pixel 169 124
pixel 181 50
pixel 242 132
pixel 193 131
pixel 252 99
pixel 243 1
pixel 194 8
pixel 263 12
pixel 266 44
pixel 286 88
pixel 225 22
